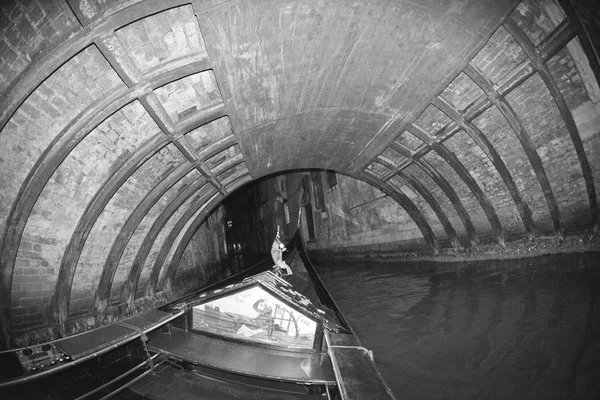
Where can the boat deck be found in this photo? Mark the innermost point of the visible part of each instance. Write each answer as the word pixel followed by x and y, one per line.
pixel 236 357
pixel 355 371
pixel 170 383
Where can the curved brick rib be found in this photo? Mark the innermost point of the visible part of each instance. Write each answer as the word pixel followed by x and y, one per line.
pixel 412 210
pixel 463 173
pixel 51 58
pixel 51 158
pixel 435 206
pixel 120 243
pixel 130 287
pixel 555 41
pixel 68 266
pixel 544 72
pixel 417 159
pixel 106 280
pixel 454 199
pixel 239 180
pixel 548 47
pixel 104 287
pixel 514 121
pixel 169 274
pixel 112 49
pixel 517 126
pixel 442 217
pixel 208 201
pixel 34 183
pixel 487 147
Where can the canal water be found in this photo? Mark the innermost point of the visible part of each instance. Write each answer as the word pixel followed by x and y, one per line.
pixel 509 329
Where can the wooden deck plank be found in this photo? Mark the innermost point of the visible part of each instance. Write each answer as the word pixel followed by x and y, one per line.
pixel 79 346
pixel 355 371
pixel 335 340
pixel 169 383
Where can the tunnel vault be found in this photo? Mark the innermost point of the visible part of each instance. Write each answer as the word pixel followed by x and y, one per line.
pixel 124 124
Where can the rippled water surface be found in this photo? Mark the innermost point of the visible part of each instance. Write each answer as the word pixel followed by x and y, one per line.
pixel 512 329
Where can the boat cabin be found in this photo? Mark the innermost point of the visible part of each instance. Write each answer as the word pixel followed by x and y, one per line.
pixel 259 326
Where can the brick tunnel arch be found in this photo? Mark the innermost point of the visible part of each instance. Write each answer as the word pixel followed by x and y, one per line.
pixel 123 125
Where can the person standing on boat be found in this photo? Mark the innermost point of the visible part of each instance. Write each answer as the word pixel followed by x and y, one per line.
pixel 277 250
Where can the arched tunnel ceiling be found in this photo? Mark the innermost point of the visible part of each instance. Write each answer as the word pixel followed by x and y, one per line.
pixel 125 123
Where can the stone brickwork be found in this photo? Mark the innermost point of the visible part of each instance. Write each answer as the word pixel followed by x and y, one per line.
pixel 207 134
pixel 536 109
pixel 190 94
pixel 26 29
pixel 500 55
pixel 201 261
pixel 461 92
pixel 462 190
pixel 162 38
pixel 531 16
pixel 101 102
pixel 76 87
pixel 440 197
pixel 179 238
pixel 546 142
pixel 108 226
pixel 33 283
pixel 408 140
pixel 421 204
pixel 358 214
pixel 46 113
pixel 432 120
pixel 63 199
pixel 161 238
pixel 143 229
pixel 488 179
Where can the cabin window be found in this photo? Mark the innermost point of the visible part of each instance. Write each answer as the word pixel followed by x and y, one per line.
pixel 257 316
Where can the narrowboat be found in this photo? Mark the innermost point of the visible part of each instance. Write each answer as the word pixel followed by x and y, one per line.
pixel 271 331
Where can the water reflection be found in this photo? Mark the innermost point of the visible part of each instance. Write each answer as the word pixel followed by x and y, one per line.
pixel 515 329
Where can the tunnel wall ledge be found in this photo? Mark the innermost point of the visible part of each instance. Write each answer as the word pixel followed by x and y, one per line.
pixel 523 248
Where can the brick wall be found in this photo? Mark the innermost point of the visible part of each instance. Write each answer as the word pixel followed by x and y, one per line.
pixel 544 126
pixel 296 95
pixel 357 214
pixel 421 204
pixel 29 28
